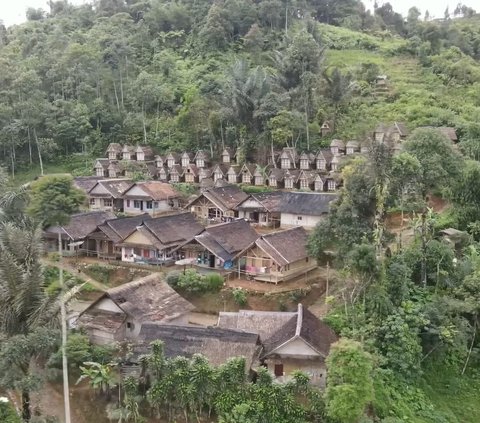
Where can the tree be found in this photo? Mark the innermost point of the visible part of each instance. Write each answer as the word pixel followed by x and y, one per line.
pixel 440 163
pixel 350 384
pixel 26 309
pixel 466 195
pixel 53 200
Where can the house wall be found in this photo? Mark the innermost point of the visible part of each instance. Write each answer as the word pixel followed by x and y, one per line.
pixel 157 206
pixel 108 305
pixel 313 367
pixel 298 348
pixel 290 220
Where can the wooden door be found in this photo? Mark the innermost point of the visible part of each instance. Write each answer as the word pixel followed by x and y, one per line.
pixel 278 370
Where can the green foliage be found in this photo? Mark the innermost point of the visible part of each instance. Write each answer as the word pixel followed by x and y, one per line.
pixel 173 277
pixel 7 413
pixel 214 282
pixel 239 296
pixel 350 384
pixel 192 282
pixel 54 199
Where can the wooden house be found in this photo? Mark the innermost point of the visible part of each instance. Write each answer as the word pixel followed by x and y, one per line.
pixel 219 171
pixel 114 169
pixel 144 153
pixel 104 241
pixel 108 195
pixel 128 152
pixel 332 182
pixel 291 341
pixel 276 178
pixel 259 176
pixel 74 234
pixel 352 147
pixel 290 179
pixel 228 154
pixel 159 161
pixel 306 161
pixel 394 133
pixel 120 313
pixel 279 256
pixel 217 204
pixel 204 173
pixel 152 197
pixel 319 183
pixel 175 174
pixel 334 164
pixel 101 168
pixel 288 158
pixel 306 179
pixel 233 173
pixel 219 246
pixel 186 159
pixel 262 209
pixel 190 174
pixel 247 171
pixel 172 159
pixel 201 159
pixel 337 147
pixel 162 173
pixel 114 151
pixel 156 240
pixel 323 160
pixel 326 128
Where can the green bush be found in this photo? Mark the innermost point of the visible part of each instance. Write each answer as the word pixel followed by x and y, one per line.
pixel 8 414
pixel 173 278
pixel 100 273
pixel 191 281
pixel 214 282
pixel 239 296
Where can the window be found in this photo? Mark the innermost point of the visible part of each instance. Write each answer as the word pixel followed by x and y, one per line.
pixel 200 163
pixel 331 185
pixel 149 205
pixel 285 163
pixel 92 201
pixel 349 150
pixel 304 164
pixel 137 204
pixel 155 204
pixel 303 183
pixel 334 150
pixel 306 260
pixel 128 203
pixel 107 202
pixel 185 162
pixel 130 326
pixel 321 164
pixel 299 217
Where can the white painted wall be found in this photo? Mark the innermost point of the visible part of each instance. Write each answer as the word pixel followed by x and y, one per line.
pixel 290 220
pixel 108 305
pixel 296 347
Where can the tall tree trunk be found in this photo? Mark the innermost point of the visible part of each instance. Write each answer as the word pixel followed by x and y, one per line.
pixel 26 412
pixel 29 145
pixel 424 249
pixel 38 149
pixel 121 86
pixel 116 95
pixel 144 124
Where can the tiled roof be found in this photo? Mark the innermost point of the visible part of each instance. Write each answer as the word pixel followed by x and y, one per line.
pixel 285 247
pixel 80 225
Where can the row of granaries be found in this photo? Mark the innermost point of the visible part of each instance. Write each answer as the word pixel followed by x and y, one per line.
pixel 287 168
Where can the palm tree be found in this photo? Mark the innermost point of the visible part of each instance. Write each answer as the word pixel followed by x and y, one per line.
pixel 27 311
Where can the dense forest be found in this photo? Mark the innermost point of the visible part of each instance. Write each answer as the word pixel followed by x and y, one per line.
pixel 189 74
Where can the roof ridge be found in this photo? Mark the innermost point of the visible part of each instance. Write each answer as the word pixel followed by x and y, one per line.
pixel 298 329
pixel 280 254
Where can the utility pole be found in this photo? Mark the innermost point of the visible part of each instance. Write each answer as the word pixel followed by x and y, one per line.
pixel 63 316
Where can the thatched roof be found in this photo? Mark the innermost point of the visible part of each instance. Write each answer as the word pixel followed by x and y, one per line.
pixel 156 190
pixel 218 345
pixel 224 197
pixel 118 229
pixel 115 187
pixel 227 240
pixel 306 326
pixel 149 299
pixel 262 322
pixel 80 225
pixel 103 320
pixel 86 183
pixel 285 247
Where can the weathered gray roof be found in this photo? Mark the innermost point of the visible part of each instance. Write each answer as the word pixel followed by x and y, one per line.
pixel 277 173
pixel 218 345
pixel 80 225
pixel 225 197
pixel 149 299
pixel 285 247
pixel 307 203
pixel 114 147
pixel 175 228
pixel 86 183
pixel 265 323
pixel 116 187
pixel 306 327
pixel 270 201
pixel 118 229
pixel 156 190
pixel 226 240
pixel 104 320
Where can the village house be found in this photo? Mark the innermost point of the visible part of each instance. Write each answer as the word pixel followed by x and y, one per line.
pixel 219 246
pixel 86 183
pixel 104 241
pixel 120 312
pixel 101 168
pixel 156 240
pixel 259 178
pixel 74 233
pixel 323 160
pixel 175 174
pixel 337 147
pixel 128 152
pixel 233 173
pixel 186 159
pixel 159 161
pixel 306 180
pixel 352 147
pixel 290 178
pixel 153 197
pixel 288 158
pixel 291 341
pixel 108 194
pixel 228 155
pixel 217 204
pixel 114 151
pixel 247 171
pixel 276 178
pixel 172 159
pixel 262 209
pixel 162 174
pixel 204 173
pixel 217 345
pixel 219 171
pixel 144 153
pixel 304 208
pixel 326 128
pixel 190 174
pixel 114 169
pixel 306 161
pixel 279 256
pixel 319 183
pixel 394 133
pixel 201 159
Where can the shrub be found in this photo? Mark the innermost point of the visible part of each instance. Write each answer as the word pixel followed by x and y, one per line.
pixel 191 281
pixel 214 282
pixel 173 278
pixel 7 413
pixel 239 296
